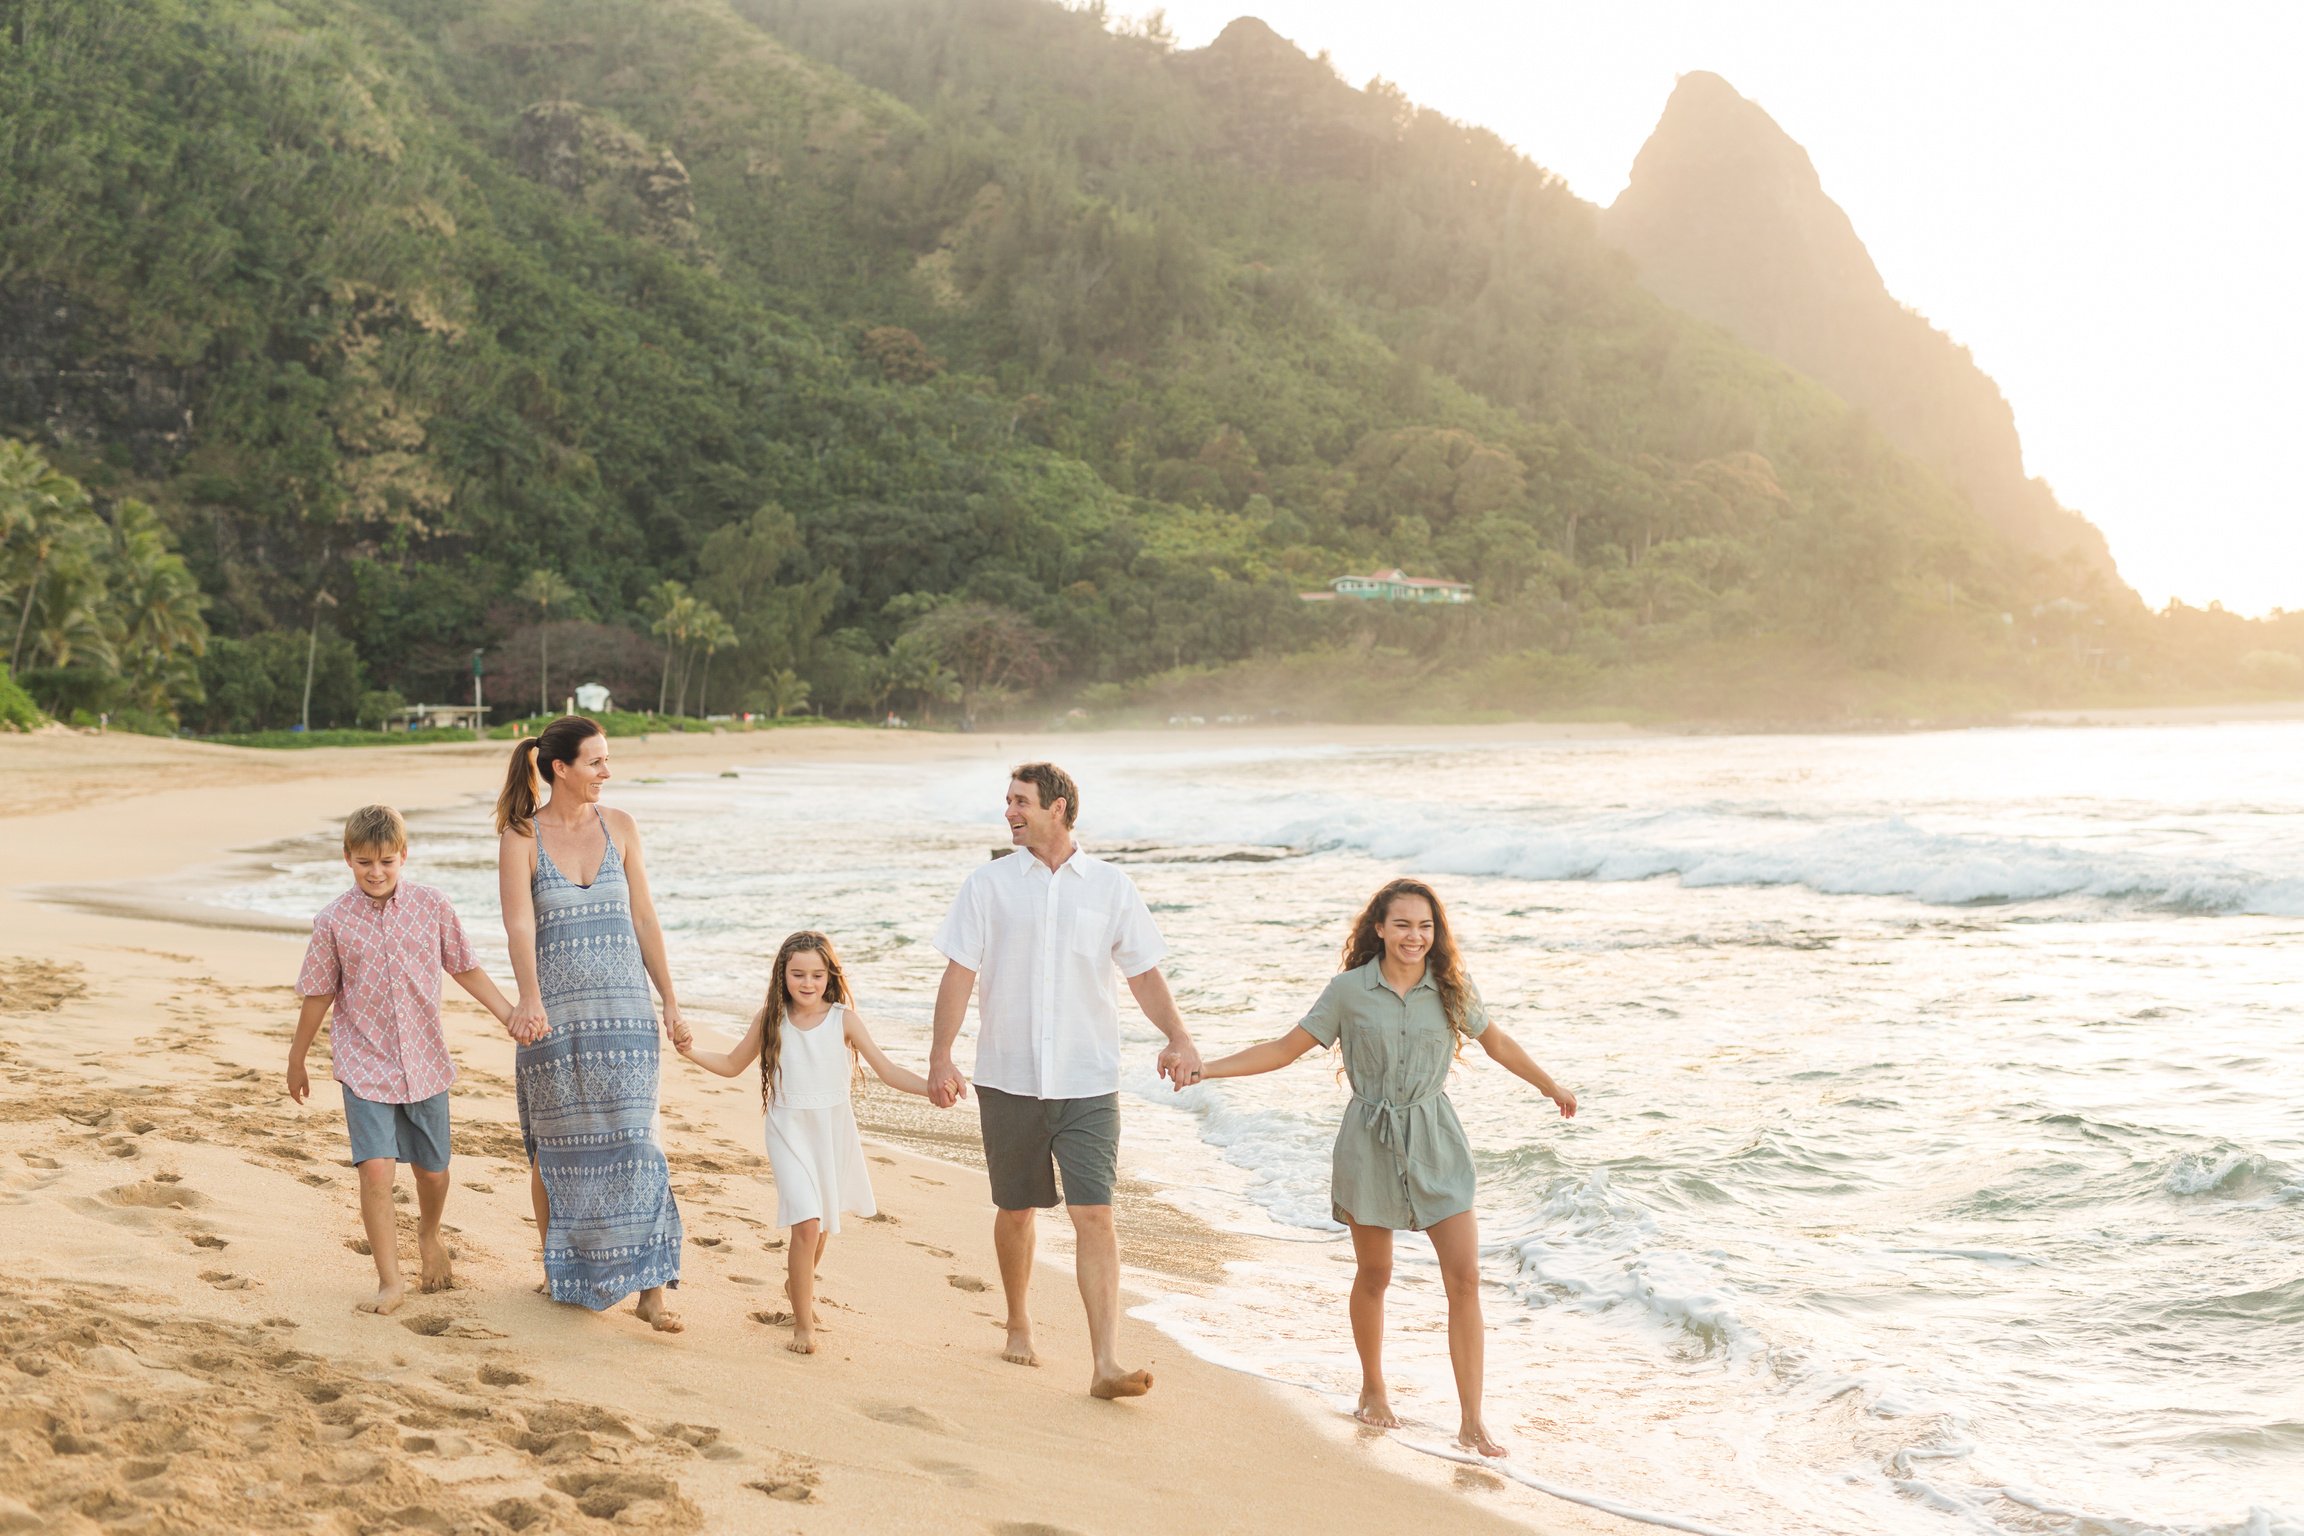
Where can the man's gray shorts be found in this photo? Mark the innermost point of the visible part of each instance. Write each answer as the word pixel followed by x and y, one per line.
pixel 407 1133
pixel 1027 1140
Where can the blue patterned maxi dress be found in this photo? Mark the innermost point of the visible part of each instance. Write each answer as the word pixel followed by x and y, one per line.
pixel 587 1093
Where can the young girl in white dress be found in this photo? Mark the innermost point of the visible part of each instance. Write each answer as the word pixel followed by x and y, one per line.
pixel 804 1035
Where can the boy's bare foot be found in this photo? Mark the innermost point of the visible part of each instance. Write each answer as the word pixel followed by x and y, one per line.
pixel 439 1272
pixel 658 1316
pixel 1375 1410
pixel 803 1341
pixel 1132 1384
pixel 387 1299
pixel 1474 1437
pixel 1018 1350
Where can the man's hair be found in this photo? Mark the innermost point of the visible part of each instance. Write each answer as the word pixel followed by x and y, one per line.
pixel 375 826
pixel 1052 782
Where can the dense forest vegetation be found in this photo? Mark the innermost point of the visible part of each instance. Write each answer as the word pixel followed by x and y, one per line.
pixel 953 356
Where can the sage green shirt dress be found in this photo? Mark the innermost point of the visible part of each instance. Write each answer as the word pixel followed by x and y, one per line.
pixel 1402 1159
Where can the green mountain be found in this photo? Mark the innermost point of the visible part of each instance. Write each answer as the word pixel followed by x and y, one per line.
pixel 1727 219
pixel 927 351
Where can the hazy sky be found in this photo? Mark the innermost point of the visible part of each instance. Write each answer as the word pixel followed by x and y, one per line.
pixel 2100 200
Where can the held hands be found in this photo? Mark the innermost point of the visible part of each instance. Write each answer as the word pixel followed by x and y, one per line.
pixel 299 1082
pixel 676 1028
pixel 946 1086
pixel 526 1022
pixel 1181 1064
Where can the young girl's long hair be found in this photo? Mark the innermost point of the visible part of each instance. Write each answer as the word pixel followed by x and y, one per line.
pixel 1440 962
pixel 770 1018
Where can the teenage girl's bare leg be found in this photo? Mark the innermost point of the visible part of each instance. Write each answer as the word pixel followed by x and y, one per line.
pixel 1372 1253
pixel 801 1255
pixel 1457 1242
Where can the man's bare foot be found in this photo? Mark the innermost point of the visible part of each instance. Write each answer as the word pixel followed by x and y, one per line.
pixel 1132 1384
pixel 1018 1350
pixel 803 1341
pixel 387 1299
pixel 1375 1410
pixel 439 1272
pixel 1474 1437
pixel 658 1316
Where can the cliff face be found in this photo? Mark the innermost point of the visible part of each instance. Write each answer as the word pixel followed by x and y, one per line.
pixel 1727 220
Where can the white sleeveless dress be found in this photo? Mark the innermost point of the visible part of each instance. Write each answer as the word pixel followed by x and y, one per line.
pixel 813 1147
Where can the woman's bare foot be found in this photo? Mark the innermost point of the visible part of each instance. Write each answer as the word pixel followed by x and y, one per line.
pixel 1474 1437
pixel 1128 1384
pixel 803 1341
pixel 652 1311
pixel 439 1273
pixel 1018 1350
pixel 1375 1409
pixel 387 1299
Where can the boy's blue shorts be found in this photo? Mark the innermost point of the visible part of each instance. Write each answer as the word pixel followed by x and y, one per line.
pixel 408 1133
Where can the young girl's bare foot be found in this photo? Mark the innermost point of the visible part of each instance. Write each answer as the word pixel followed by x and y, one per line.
pixel 1018 1350
pixel 652 1311
pixel 439 1273
pixel 803 1341
pixel 387 1299
pixel 1474 1437
pixel 1375 1409
pixel 1127 1384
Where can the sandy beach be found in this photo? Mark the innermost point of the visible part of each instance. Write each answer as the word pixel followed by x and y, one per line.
pixel 181 1250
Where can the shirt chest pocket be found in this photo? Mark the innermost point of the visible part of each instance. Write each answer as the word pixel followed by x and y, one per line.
pixel 1090 932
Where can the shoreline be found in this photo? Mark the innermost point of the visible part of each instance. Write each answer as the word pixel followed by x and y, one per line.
pixel 175 1161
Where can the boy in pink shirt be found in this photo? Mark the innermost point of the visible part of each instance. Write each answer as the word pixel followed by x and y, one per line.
pixel 376 955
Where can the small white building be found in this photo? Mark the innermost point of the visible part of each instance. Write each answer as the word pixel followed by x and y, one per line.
pixel 1394 586
pixel 592 698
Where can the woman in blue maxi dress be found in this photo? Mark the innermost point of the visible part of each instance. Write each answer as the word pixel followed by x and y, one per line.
pixel 584 952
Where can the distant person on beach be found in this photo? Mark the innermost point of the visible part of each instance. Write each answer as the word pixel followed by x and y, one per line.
pixel 585 944
pixel 807 1037
pixel 1402 1008
pixel 1044 933
pixel 376 955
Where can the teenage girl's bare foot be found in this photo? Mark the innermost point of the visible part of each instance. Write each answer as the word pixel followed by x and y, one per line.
pixel 1018 1350
pixel 1474 1437
pixel 1375 1409
pixel 1128 1384
pixel 439 1272
pixel 658 1316
pixel 803 1340
pixel 387 1299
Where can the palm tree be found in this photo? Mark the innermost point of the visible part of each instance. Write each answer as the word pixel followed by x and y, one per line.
pixel 664 601
pixel 40 511
pixel 782 692
pixel 714 633
pixel 155 610
pixel 544 588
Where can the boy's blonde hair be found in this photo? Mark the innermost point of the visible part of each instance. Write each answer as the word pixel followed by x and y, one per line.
pixel 375 826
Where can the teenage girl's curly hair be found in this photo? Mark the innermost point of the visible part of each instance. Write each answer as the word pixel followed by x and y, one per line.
pixel 770 1018
pixel 1441 962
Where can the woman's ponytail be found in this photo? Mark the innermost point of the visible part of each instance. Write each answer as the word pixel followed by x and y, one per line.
pixel 516 804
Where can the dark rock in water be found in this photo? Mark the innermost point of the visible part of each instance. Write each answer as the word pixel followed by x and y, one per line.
pixel 1727 219
pixel 66 376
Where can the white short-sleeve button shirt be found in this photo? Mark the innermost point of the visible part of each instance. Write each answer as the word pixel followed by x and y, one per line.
pixel 1044 945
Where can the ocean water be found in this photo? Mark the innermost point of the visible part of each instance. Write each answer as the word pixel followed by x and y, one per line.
pixel 1940 1165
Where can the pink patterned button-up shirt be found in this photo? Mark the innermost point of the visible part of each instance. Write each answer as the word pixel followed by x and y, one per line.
pixel 382 962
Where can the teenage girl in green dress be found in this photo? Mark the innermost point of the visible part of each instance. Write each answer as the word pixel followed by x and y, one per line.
pixel 1402 1008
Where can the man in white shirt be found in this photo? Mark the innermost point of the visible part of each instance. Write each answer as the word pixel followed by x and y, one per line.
pixel 1044 934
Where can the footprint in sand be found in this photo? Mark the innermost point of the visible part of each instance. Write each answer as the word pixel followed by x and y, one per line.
pixel 152 1195
pixel 957 1473
pixel 966 1283
pixel 208 1240
pixel 225 1280
pixel 1030 1528
pixel 502 1376
pixel 480 1189
pixel 709 1242
pixel 37 1161
pixel 930 1248
pixel 891 1162
pixel 905 1416
pixel 612 1495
